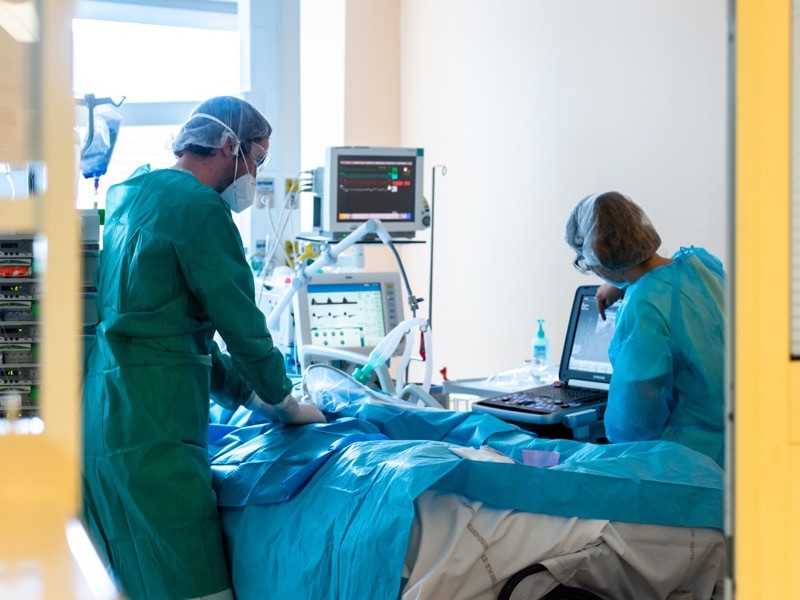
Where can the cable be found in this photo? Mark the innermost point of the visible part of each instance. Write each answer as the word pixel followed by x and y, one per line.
pixel 302 183
pixel 289 202
pixel 269 253
pixel 277 232
pixel 413 302
pixel 412 299
pixel 7 170
pixel 277 236
pixel 292 241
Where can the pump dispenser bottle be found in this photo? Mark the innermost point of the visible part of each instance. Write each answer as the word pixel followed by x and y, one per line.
pixel 541 345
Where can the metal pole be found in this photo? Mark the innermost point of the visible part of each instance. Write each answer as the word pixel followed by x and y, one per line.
pixel 433 222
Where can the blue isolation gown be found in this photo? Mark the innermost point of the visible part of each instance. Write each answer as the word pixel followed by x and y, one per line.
pixel 668 354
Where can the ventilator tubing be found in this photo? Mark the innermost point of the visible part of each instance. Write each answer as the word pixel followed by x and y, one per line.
pixel 384 350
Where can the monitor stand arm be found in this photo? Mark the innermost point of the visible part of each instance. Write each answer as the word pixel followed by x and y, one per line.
pixel 328 256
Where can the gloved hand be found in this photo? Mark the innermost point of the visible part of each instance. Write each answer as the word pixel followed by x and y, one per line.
pixel 292 412
pixel 288 411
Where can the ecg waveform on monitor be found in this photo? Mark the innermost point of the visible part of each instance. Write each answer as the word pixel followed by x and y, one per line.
pixel 373 185
pixel 330 301
pixel 366 178
pixel 331 315
pixel 386 188
pixel 373 176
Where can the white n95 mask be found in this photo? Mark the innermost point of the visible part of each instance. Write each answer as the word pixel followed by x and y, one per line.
pixel 242 192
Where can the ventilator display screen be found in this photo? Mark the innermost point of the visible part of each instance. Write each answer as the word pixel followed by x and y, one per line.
pixel 345 315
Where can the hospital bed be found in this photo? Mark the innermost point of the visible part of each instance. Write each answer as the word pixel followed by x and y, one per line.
pixel 394 501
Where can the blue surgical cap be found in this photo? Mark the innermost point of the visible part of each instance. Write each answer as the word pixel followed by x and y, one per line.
pixel 610 230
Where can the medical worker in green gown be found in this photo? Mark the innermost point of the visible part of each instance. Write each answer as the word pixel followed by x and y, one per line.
pixel 173 271
pixel 668 348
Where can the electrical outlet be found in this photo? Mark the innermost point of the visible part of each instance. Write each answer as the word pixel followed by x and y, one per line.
pixel 265 192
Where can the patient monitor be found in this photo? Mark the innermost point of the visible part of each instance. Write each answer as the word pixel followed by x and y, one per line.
pixel 366 182
pixel 347 311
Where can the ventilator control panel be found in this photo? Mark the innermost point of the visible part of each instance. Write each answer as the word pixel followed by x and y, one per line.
pixel 349 311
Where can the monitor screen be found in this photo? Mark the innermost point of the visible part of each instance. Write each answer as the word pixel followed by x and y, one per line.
pixel 345 315
pixel 359 183
pixel 375 187
pixel 347 311
pixel 589 351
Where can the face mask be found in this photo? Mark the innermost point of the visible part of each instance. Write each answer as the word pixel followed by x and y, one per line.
pixel 617 284
pixel 242 192
pixel 622 284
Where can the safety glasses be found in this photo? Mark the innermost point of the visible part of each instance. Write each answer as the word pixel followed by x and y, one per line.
pixel 580 264
pixel 263 161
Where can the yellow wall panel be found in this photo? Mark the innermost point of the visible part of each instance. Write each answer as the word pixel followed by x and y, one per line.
pixel 766 463
pixel 40 493
pixel 794 395
pixel 15 101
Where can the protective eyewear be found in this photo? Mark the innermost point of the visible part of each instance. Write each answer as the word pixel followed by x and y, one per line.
pixel 265 157
pixel 580 265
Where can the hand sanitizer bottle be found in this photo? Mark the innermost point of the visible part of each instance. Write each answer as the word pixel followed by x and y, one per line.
pixel 541 345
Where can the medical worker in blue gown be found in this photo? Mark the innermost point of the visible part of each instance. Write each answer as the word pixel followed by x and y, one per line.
pixel 173 271
pixel 668 349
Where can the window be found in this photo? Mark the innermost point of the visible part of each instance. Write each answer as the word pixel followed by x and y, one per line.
pixel 174 64
pixel 163 71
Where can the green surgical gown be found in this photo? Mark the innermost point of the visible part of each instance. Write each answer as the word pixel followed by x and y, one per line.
pixel 172 272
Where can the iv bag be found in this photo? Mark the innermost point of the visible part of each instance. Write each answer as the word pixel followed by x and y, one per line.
pixel 95 159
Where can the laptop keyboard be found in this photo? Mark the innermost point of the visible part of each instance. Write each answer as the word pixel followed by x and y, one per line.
pixel 547 399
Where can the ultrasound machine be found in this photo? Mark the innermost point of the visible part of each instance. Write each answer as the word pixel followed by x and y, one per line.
pixel 579 396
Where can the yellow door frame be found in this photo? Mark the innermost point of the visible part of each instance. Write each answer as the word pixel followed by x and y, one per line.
pixel 44 552
pixel 766 392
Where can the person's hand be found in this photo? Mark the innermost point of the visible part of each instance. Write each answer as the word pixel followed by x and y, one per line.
pixel 292 412
pixel 288 411
pixel 607 294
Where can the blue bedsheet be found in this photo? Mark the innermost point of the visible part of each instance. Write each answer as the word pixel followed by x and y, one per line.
pixel 331 505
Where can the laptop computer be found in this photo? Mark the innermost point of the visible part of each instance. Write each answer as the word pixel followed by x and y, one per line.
pixel 584 374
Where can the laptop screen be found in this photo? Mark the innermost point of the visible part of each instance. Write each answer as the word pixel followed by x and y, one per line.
pixel 585 356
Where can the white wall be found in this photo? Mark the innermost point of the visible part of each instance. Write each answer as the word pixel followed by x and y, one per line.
pixel 322 44
pixel 533 104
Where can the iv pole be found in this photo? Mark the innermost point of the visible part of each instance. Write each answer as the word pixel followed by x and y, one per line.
pixel 430 265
